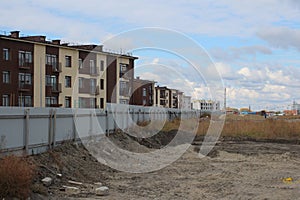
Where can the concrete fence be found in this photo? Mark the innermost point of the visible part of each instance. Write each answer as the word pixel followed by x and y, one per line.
pixel 35 130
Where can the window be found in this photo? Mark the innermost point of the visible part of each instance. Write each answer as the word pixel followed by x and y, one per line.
pixel 51 80
pixel 123 101
pixel 80 63
pixel 92 67
pixel 68 61
pixel 25 78
pixel 144 102
pixel 51 101
pixel 25 101
pixel 102 65
pixel 5 100
pixel 25 58
pixel 51 59
pixel 93 85
pixel 80 82
pixel 68 101
pixel 6 77
pixel 92 103
pixel 102 84
pixel 123 88
pixel 101 103
pixel 6 55
pixel 144 92
pixel 68 81
pixel 123 67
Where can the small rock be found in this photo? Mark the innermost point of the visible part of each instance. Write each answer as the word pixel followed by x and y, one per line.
pixel 102 191
pixel 47 181
pixel 71 190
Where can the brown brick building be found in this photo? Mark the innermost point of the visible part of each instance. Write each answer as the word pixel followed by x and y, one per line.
pixel 143 92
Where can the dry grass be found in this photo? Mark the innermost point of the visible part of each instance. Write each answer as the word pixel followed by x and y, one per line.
pixel 16 176
pixel 257 127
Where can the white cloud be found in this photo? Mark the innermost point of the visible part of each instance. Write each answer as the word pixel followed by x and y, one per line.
pixel 281 37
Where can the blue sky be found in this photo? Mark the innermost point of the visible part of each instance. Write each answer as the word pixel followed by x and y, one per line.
pixel 254 45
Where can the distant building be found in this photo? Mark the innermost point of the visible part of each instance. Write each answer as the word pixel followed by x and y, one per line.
pixel 143 92
pixel 296 108
pixel 206 105
pixel 186 103
pixel 168 98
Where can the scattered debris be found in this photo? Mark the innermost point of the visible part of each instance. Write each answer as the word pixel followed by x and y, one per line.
pixel 47 181
pixel 287 180
pixel 75 182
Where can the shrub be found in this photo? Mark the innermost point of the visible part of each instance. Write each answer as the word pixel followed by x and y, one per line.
pixel 16 176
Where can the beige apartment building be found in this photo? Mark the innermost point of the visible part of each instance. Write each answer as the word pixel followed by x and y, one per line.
pixel 40 73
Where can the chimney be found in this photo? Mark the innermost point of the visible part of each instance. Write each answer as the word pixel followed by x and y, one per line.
pixel 14 34
pixel 57 42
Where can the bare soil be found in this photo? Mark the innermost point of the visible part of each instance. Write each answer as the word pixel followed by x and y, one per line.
pixel 233 170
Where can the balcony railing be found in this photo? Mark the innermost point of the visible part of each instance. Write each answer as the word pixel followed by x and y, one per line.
pixel 94 72
pixel 95 90
pixel 24 64
pixel 56 88
pixel 54 67
pixel 124 92
pixel 23 86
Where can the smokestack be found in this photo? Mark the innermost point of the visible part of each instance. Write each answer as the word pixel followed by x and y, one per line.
pixel 14 34
pixel 57 42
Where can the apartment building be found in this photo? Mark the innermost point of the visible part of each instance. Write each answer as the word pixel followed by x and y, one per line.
pixel 40 73
pixel 143 92
pixel 168 98
pixel 206 105
pixel 186 103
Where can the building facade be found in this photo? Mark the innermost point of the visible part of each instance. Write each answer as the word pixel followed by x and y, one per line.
pixel 168 98
pixel 206 105
pixel 143 92
pixel 186 103
pixel 40 73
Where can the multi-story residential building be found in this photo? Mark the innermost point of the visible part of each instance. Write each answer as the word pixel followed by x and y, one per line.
pixel 162 98
pixel 168 98
pixel 120 79
pixel 186 103
pixel 206 105
pixel 41 73
pixel 143 92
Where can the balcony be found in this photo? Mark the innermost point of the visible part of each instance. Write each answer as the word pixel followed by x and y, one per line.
pixel 24 65
pixel 53 68
pixel 124 92
pixel 94 72
pixel 23 87
pixel 56 88
pixel 95 91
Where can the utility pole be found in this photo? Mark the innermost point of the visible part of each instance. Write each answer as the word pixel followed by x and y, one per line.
pixel 225 99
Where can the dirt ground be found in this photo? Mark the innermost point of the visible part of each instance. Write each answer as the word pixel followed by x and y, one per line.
pixel 233 170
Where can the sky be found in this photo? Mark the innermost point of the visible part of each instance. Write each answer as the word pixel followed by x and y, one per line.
pixel 253 45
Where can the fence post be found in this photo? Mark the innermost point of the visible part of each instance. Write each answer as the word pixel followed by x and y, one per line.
pixel 91 123
pixel 54 128
pixel 74 126
pixel 106 122
pixel 50 129
pixel 114 119
pixel 26 131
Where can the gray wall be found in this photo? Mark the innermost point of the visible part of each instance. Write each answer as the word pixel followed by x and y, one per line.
pixel 34 130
